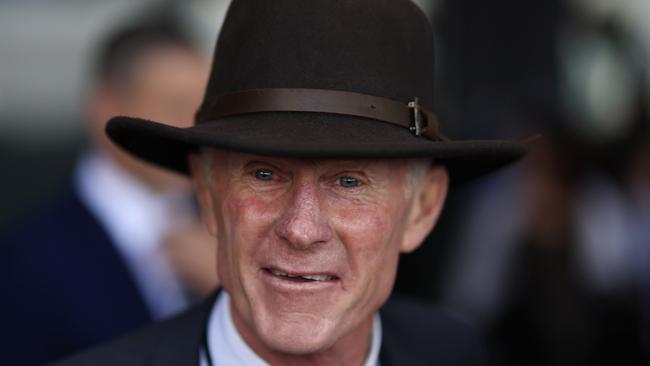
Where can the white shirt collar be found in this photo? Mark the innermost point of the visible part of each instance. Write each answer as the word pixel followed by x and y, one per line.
pixel 136 220
pixel 227 347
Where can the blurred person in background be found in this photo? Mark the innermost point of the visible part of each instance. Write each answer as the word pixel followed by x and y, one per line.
pixel 551 260
pixel 106 255
pixel 562 281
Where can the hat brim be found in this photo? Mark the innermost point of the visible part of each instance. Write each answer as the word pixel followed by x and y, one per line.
pixel 307 135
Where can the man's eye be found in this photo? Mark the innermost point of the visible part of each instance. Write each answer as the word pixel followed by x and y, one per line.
pixel 264 174
pixel 349 182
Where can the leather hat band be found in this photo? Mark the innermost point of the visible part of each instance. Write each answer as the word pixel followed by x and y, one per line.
pixel 418 120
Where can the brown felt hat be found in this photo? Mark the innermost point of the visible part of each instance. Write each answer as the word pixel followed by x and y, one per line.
pixel 319 79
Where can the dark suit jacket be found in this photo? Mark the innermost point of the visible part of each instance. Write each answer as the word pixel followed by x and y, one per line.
pixel 63 286
pixel 412 335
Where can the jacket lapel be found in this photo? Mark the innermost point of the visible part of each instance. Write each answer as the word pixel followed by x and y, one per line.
pixel 391 354
pixel 181 339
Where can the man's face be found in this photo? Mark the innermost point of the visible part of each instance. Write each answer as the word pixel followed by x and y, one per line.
pixel 308 249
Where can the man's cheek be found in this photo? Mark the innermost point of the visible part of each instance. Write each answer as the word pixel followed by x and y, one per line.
pixel 367 222
pixel 250 210
pixel 365 234
pixel 362 220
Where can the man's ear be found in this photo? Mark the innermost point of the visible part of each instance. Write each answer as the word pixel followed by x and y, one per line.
pixel 428 199
pixel 203 192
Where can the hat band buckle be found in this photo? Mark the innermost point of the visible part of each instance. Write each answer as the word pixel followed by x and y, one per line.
pixel 411 115
pixel 416 125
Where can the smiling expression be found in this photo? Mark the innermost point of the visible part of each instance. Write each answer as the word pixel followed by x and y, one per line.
pixel 308 249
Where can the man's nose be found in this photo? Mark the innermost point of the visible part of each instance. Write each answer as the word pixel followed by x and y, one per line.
pixel 303 224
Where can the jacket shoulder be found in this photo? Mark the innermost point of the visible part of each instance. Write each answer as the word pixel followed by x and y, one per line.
pixel 421 334
pixel 134 349
pixel 65 278
pixel 171 342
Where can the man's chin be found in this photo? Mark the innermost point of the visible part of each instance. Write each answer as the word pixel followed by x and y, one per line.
pixel 298 337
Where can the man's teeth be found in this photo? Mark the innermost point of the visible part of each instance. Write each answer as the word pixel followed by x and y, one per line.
pixel 306 277
pixel 318 277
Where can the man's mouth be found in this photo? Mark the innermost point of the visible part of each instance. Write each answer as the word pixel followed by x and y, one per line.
pixel 300 277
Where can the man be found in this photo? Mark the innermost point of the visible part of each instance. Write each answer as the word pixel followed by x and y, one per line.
pixel 317 162
pixel 104 257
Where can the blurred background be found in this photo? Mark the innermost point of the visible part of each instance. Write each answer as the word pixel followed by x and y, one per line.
pixel 549 259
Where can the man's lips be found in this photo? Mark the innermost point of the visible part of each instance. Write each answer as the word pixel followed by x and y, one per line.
pixel 300 276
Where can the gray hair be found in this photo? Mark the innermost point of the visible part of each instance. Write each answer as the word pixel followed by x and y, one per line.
pixel 207 156
pixel 417 168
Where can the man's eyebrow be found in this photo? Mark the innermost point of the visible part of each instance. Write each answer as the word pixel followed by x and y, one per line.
pixel 346 163
pixel 274 165
pixel 247 159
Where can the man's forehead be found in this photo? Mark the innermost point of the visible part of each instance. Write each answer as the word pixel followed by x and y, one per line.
pixel 230 158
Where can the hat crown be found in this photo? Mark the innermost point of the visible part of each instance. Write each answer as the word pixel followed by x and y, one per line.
pixel 300 78
pixel 376 47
